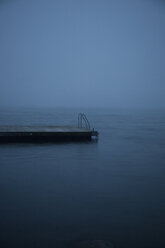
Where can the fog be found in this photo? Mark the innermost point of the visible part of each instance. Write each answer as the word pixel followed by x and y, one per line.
pixel 88 53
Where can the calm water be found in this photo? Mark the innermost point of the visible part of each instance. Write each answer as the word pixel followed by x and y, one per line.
pixel 52 195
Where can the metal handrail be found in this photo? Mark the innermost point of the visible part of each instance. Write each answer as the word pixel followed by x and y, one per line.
pixel 82 117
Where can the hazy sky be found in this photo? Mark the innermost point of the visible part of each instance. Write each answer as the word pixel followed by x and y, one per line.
pixel 82 53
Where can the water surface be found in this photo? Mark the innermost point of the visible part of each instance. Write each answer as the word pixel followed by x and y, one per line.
pixel 53 195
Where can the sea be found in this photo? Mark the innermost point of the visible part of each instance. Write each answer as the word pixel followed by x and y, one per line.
pixel 57 195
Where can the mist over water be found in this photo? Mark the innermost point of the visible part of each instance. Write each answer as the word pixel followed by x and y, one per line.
pixel 105 59
pixel 53 195
pixel 82 53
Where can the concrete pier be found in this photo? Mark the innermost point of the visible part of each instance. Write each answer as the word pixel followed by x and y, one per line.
pixel 45 134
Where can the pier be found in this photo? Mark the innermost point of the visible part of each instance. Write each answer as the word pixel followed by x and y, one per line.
pixel 48 133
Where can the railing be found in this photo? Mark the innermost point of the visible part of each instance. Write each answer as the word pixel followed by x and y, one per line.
pixel 83 119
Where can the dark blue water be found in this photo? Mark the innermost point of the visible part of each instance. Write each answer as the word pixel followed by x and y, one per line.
pixel 52 195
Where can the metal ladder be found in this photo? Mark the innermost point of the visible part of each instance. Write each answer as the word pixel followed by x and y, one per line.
pixel 83 119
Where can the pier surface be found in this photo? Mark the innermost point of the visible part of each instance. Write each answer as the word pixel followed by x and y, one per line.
pixel 45 133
